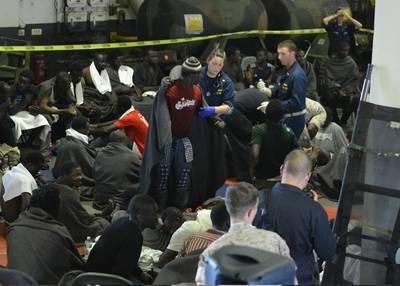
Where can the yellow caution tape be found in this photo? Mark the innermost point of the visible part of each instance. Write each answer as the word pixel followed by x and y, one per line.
pixel 49 48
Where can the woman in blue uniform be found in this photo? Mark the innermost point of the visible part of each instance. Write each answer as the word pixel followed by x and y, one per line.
pixel 217 87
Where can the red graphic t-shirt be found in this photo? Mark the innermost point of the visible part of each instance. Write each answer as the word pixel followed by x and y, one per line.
pixel 182 104
pixel 135 126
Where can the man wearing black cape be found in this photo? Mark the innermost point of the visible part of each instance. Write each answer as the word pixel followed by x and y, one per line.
pixel 184 161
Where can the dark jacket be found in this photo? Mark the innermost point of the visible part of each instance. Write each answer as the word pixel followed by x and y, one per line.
pixel 79 152
pixel 75 217
pixel 303 224
pixel 116 171
pixel 118 250
pixel 41 247
pixel 291 89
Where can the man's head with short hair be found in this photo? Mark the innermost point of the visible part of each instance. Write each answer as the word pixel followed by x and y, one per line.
pixel 233 54
pixel 152 56
pixel 118 136
pixel 46 198
pixel 287 53
pixel 115 58
pixel 100 61
pixel 296 169
pixel 143 209
pixel 300 56
pixel 261 56
pixel 32 161
pixel 123 104
pixel 241 201
pixel 63 81
pixel 172 218
pixel 80 124
pixel 72 173
pixel 75 69
pixel 220 217
pixel 274 111
pixel 25 81
pixel 343 49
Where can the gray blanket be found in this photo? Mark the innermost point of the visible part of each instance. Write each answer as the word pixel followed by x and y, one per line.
pixel 179 270
pixel 77 151
pixel 343 72
pixel 40 246
pixel 116 172
pixel 75 217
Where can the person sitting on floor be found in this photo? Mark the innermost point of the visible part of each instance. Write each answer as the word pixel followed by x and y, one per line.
pixel 342 84
pixel 57 101
pixel 121 76
pixel 40 245
pixel 148 74
pixel 188 228
pixel 130 119
pixel 262 70
pixel 27 117
pixel 159 237
pixel 18 184
pixel 116 173
pixel 98 90
pixel 6 124
pixel 332 139
pixel 315 117
pixel 75 147
pixel 220 222
pixel 72 214
pixel 118 249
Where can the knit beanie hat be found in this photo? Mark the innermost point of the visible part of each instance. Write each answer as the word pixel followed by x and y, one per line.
pixel 191 64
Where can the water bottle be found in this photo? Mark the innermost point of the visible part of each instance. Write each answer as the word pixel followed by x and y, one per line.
pixel 88 247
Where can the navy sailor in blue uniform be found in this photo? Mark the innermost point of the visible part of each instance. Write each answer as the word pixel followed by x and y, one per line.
pixel 290 87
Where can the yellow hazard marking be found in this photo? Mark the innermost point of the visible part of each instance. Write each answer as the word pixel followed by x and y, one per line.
pixel 49 48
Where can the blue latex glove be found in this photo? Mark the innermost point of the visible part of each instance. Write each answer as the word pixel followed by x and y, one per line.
pixel 207 111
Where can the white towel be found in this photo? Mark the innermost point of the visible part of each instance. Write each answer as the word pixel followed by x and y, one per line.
pixel 263 106
pixel 17 181
pixel 23 120
pixel 125 75
pixel 78 92
pixel 75 134
pixel 100 81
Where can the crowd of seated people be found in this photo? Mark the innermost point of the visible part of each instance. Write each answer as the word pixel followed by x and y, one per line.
pixel 84 124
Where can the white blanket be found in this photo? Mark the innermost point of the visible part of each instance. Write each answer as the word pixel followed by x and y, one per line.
pixel 101 81
pixel 73 133
pixel 23 120
pixel 78 92
pixel 17 181
pixel 125 75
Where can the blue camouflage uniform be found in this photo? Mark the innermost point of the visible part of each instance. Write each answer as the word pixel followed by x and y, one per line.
pixel 291 90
